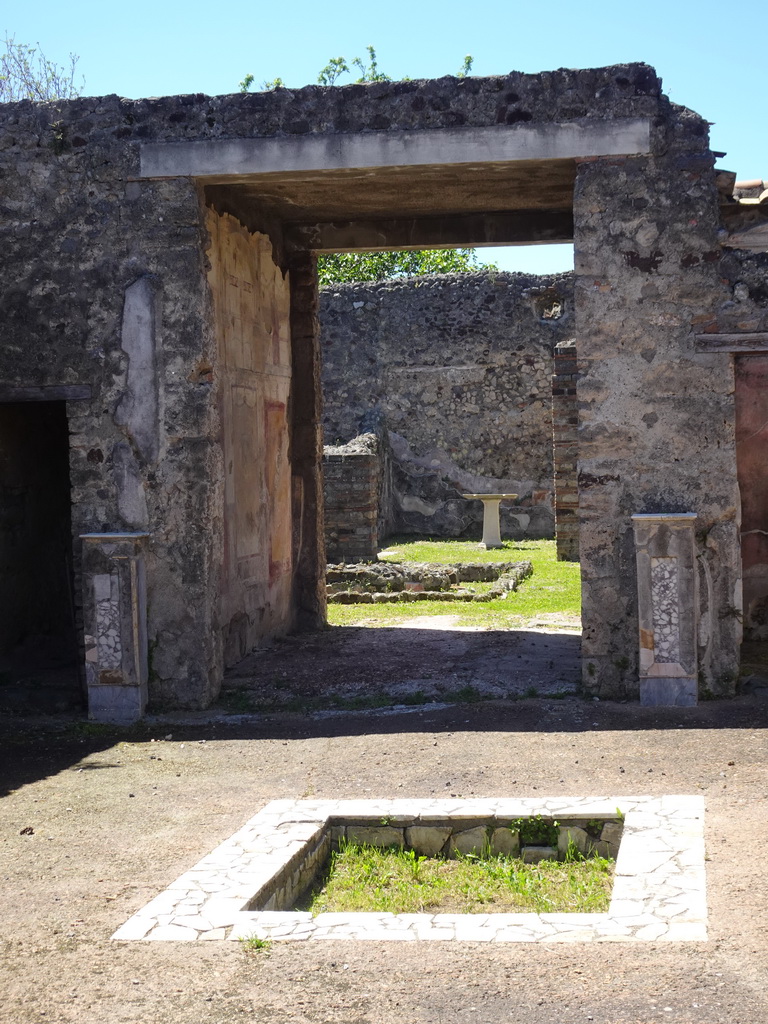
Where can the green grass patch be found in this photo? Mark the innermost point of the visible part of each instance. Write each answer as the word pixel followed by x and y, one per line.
pixel 552 595
pixel 366 878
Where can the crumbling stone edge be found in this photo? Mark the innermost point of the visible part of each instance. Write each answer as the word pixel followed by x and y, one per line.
pixel 659 891
pixel 421 582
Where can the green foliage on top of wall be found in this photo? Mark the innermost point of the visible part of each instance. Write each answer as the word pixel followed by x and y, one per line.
pixel 378 266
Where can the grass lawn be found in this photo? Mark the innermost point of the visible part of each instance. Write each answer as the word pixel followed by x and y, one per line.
pixel 550 597
pixel 365 878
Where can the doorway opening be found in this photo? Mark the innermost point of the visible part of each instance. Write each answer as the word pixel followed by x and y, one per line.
pixel 469 396
pixel 292 210
pixel 39 652
pixel 454 377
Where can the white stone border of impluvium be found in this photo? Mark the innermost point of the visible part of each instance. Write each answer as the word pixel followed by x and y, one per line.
pixel 659 889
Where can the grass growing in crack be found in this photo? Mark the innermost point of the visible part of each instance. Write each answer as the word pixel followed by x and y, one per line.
pixel 552 595
pixel 366 878
pixel 253 944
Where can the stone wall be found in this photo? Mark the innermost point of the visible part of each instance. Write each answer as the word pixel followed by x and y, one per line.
pixel 104 288
pixel 460 366
pixel 656 417
pixel 106 303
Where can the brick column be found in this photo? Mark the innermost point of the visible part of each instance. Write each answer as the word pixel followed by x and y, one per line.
pixel 565 425
pixel 352 490
pixel 306 447
pixel 115 625
pixel 667 600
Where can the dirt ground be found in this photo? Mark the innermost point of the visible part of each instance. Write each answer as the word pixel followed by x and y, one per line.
pixel 93 826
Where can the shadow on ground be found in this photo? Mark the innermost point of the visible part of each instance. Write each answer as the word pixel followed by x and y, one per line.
pixel 412 664
pixel 356 682
pixel 35 749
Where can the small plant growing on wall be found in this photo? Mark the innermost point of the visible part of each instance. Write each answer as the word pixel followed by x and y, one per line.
pixel 536 831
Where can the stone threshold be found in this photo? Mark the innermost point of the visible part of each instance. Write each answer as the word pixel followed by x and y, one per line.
pixel 659 890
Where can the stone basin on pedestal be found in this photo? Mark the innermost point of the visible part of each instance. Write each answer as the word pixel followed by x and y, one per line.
pixel 491 527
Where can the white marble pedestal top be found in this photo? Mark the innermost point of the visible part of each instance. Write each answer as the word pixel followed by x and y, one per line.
pixel 491 526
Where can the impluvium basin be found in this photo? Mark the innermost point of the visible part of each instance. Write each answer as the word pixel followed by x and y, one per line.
pixel 247 885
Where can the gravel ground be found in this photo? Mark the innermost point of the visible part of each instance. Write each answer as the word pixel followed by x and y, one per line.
pixel 93 826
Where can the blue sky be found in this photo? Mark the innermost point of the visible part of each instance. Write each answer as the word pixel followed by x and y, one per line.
pixel 155 48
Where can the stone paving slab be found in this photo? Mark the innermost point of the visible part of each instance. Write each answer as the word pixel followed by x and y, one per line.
pixel 659 891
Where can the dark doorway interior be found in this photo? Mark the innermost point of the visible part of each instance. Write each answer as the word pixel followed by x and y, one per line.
pixel 38 645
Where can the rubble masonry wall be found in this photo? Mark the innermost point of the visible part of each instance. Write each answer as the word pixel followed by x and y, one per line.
pixel 105 284
pixel 460 365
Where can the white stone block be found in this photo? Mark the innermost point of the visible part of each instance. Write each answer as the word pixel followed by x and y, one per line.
pixel 134 928
pixel 173 933
pixel 427 840
pixel 471 840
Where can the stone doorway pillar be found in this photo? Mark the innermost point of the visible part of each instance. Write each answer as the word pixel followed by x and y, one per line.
pixel 115 625
pixel 667 591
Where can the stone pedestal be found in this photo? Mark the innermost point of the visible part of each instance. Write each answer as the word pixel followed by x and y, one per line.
pixel 491 525
pixel 667 608
pixel 115 624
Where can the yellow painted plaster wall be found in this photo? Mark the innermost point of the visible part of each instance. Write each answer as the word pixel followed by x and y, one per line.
pixel 252 305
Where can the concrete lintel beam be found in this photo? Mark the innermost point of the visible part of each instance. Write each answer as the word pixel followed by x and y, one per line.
pixel 525 227
pixel 231 158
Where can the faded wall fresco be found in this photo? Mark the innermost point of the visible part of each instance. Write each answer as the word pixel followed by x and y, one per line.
pixel 251 303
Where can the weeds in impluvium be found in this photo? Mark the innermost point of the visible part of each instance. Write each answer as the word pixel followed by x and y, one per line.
pixel 535 830
pixel 366 878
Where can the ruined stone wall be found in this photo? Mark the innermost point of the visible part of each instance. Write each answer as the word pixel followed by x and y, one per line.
pixel 103 285
pixel 358 494
pixel 656 416
pixel 352 484
pixel 744 303
pixel 460 366
pixel 252 305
